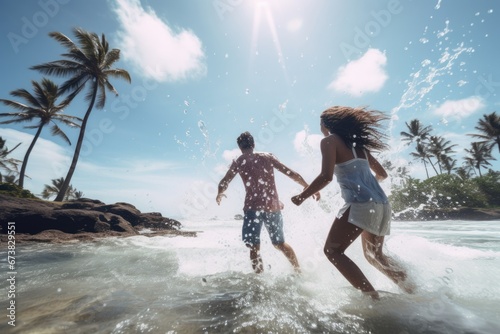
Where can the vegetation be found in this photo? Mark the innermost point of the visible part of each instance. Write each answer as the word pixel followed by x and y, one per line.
pixel 451 186
pixel 91 62
pixel 447 191
pixel 8 166
pixel 42 106
pixel 55 188
pixel 437 152
pixel 14 190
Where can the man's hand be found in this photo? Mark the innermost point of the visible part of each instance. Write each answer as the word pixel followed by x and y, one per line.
pixel 219 198
pixel 317 196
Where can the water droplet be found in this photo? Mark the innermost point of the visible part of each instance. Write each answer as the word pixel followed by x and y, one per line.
pixel 203 128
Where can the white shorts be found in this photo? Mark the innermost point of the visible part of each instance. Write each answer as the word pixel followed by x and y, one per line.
pixel 370 216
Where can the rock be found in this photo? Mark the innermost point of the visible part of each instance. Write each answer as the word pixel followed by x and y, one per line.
pixel 83 218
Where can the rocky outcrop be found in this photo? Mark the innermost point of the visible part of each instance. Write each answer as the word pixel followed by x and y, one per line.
pixel 81 219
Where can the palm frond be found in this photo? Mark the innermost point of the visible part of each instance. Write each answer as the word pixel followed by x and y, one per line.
pixel 101 99
pixel 56 131
pixel 63 39
pixel 59 68
pixel 27 96
pixel 119 73
pixel 15 105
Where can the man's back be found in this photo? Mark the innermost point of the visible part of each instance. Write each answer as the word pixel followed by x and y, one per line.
pixel 257 173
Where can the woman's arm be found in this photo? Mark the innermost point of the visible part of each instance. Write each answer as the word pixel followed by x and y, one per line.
pixel 328 153
pixel 376 167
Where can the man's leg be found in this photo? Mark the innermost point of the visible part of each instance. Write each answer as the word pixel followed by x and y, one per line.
pixel 274 225
pixel 250 233
pixel 290 255
pixel 256 259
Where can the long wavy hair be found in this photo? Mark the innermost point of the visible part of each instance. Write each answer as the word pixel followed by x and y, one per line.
pixel 358 127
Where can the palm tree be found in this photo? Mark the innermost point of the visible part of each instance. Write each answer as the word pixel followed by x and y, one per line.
pixel 422 155
pixel 463 172
pixel 449 164
pixel 479 155
pixel 42 106
pixel 415 132
pixel 6 163
pixel 489 125
pixel 91 62
pixel 55 188
pixel 440 148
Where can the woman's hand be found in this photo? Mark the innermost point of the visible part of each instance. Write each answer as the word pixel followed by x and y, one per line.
pixel 297 200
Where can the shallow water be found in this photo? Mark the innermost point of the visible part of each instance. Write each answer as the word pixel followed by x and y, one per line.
pixel 205 284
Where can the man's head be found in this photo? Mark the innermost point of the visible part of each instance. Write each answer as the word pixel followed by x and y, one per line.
pixel 245 141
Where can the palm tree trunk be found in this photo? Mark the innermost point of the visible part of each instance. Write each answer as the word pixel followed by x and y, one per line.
pixel 27 155
pixel 433 167
pixel 64 188
pixel 426 171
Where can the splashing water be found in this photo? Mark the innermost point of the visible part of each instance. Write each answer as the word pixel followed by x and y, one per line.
pixel 204 284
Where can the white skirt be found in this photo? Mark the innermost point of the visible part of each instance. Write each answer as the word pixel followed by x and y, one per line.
pixel 369 216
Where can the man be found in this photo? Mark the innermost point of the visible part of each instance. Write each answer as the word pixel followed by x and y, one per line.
pixel 262 204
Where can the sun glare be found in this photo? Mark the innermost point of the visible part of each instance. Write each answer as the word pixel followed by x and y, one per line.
pixel 263 12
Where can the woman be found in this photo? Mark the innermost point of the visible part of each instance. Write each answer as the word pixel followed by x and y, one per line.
pixel 350 134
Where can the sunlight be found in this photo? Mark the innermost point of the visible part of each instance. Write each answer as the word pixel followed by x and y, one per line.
pixel 263 11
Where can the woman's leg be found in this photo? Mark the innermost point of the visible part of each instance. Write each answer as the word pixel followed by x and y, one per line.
pixel 341 236
pixel 372 248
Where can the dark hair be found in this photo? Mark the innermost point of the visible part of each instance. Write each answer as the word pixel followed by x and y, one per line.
pixel 356 126
pixel 245 140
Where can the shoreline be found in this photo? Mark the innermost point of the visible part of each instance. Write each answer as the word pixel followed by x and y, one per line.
pixel 88 220
pixel 474 214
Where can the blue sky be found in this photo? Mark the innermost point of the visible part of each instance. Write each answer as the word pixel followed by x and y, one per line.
pixel 203 71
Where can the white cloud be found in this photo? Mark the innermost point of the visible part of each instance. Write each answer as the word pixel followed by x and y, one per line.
pixel 47 160
pixel 150 185
pixel 364 75
pixel 154 48
pixel 306 144
pixel 230 155
pixel 459 109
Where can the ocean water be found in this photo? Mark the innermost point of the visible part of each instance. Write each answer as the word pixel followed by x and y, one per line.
pixel 204 284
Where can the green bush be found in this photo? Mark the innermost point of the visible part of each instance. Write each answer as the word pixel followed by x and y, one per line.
pixel 14 190
pixel 489 184
pixel 442 191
